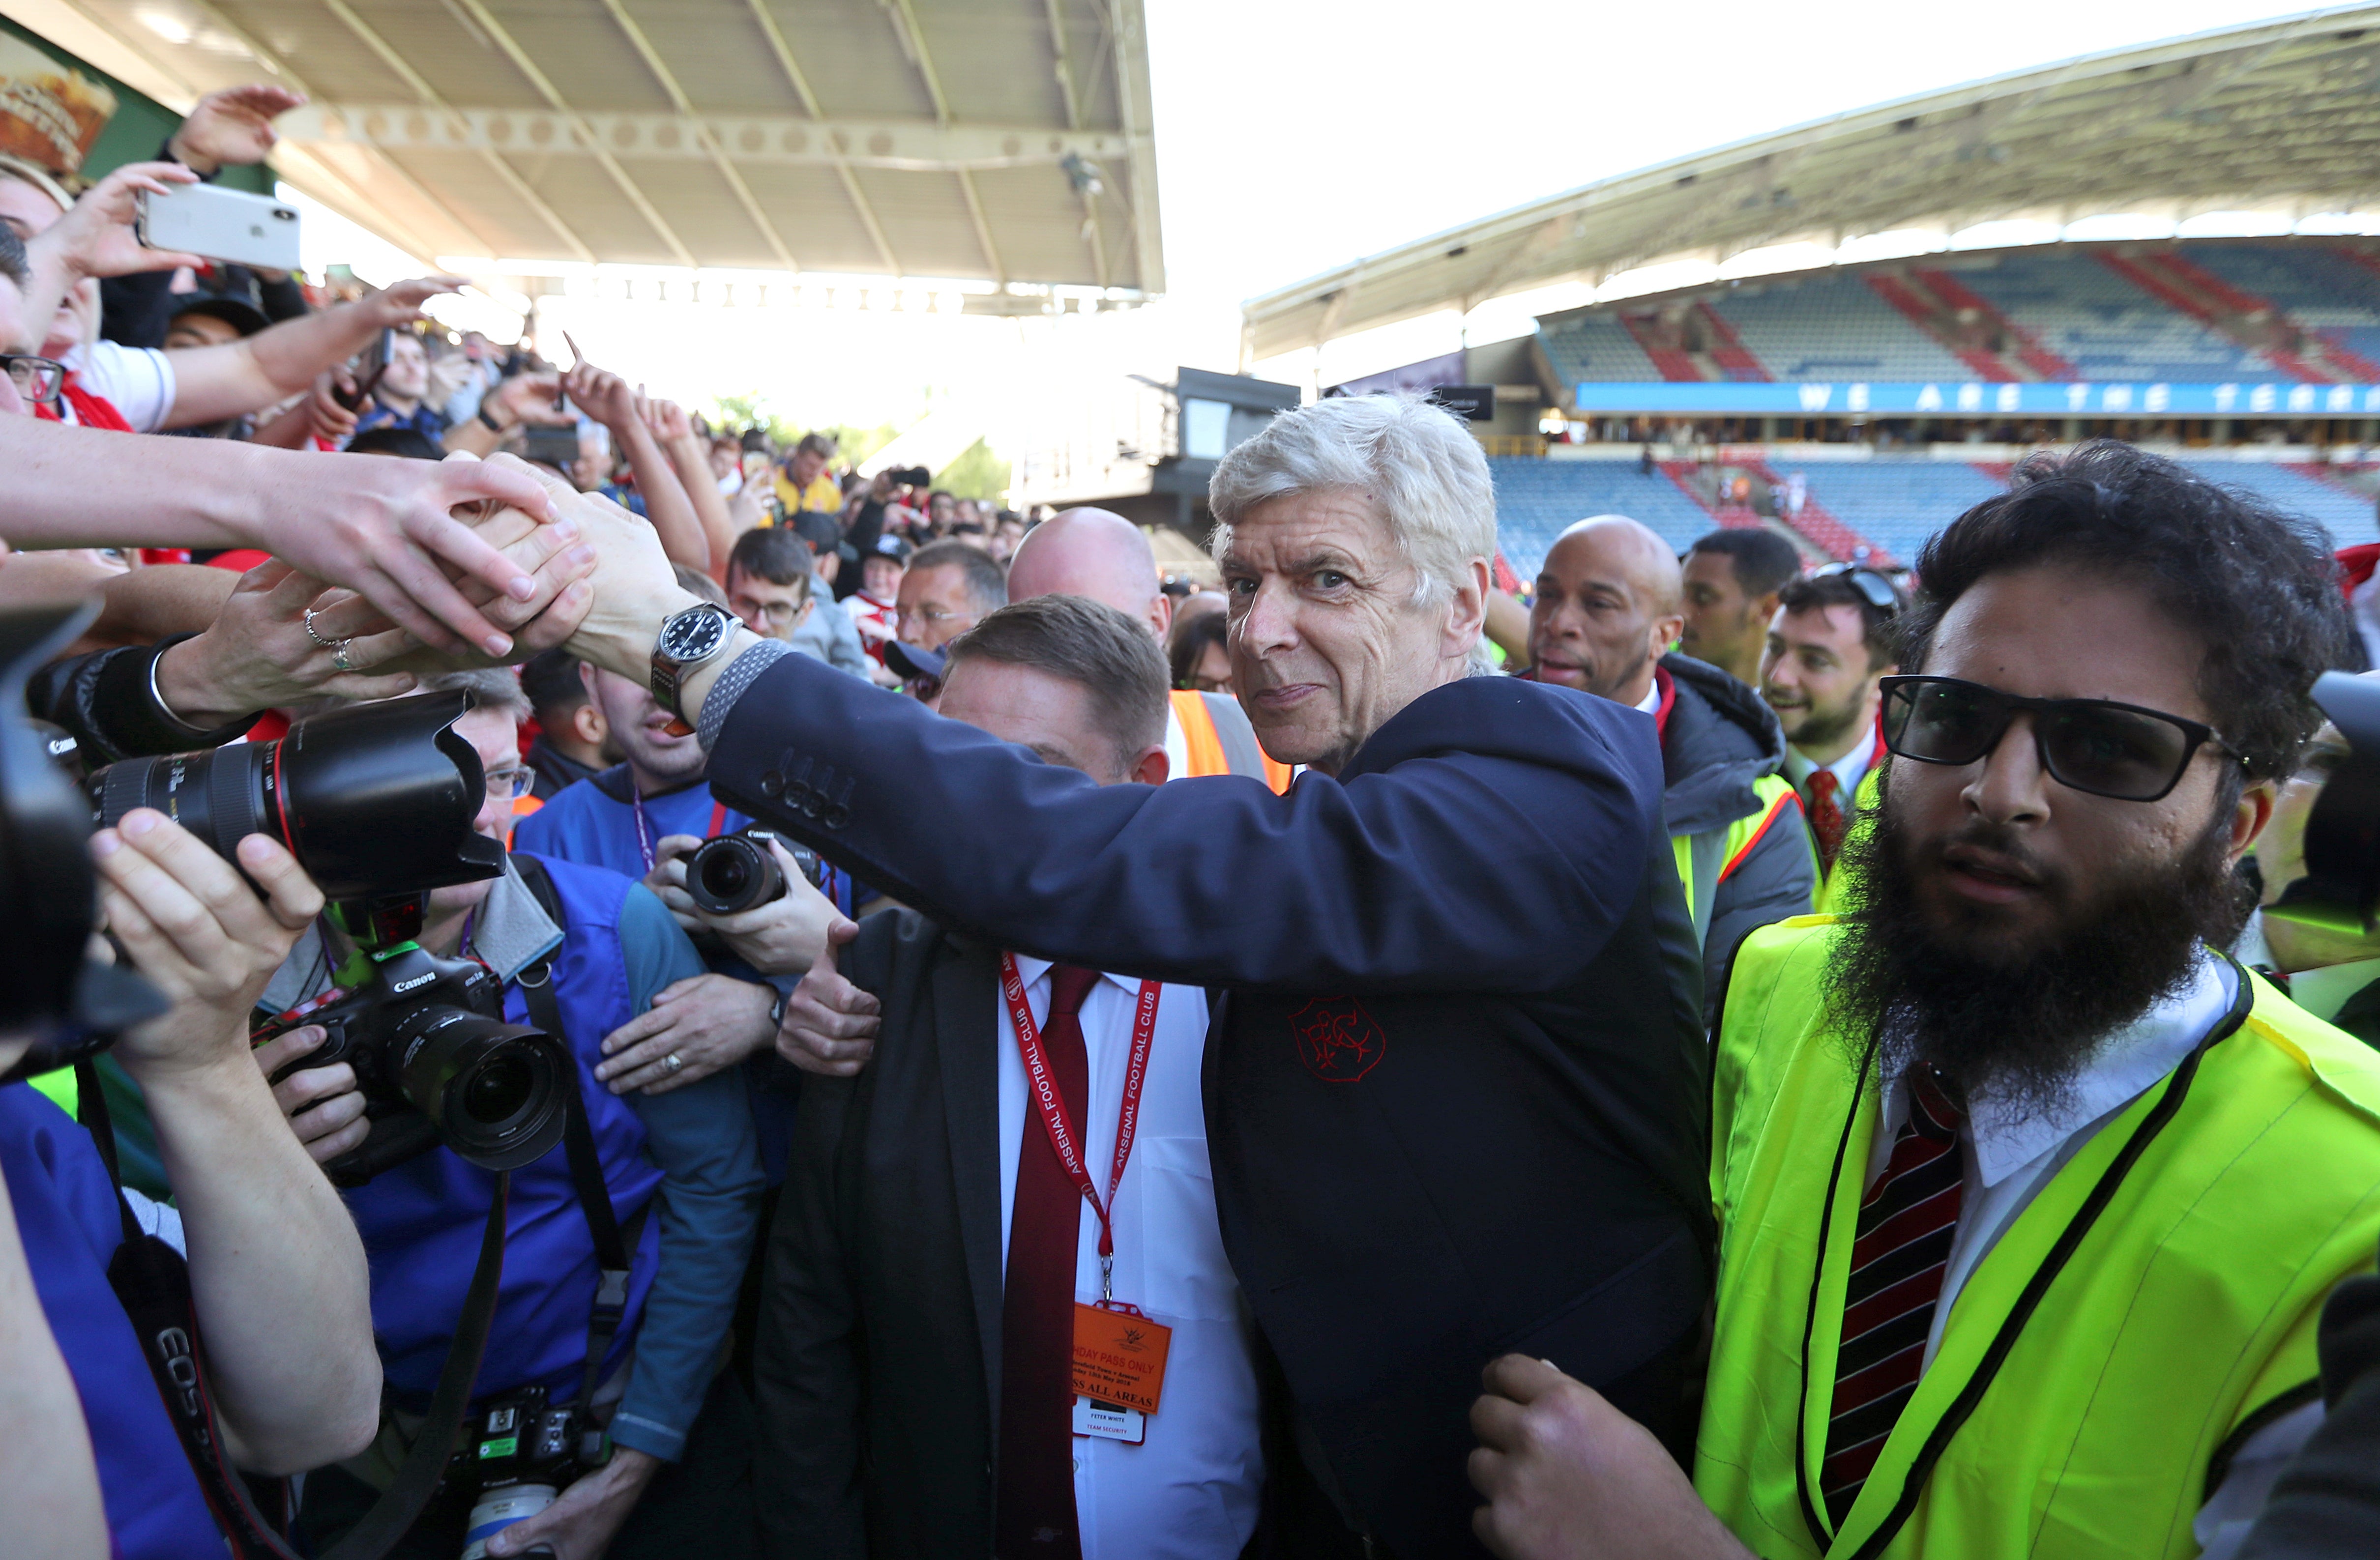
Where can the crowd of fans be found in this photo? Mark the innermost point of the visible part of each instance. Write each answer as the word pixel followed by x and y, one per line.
pixel 1720 1054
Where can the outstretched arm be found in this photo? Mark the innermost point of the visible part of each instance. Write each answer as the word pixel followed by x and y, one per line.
pixel 382 528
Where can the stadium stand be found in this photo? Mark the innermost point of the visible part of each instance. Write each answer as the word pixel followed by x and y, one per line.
pixel 1593 346
pixel 1834 327
pixel 1535 499
pixel 1896 504
pixel 2322 289
pixel 2108 326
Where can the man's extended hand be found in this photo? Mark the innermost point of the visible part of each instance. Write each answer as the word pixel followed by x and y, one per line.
pixel 1569 1477
pixel 581 1524
pixel 233 127
pixel 831 1025
pixel 400 302
pixel 383 527
pixel 707 1022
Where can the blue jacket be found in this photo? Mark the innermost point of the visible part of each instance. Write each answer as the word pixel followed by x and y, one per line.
pixel 421 1222
pixel 1457 1088
pixel 65 1215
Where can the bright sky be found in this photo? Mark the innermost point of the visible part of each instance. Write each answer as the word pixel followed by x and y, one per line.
pixel 1294 134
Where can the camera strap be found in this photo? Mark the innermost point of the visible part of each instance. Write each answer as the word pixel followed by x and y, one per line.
pixel 152 1282
pixel 615 1251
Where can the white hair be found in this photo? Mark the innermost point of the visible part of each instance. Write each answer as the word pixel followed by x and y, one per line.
pixel 1418 465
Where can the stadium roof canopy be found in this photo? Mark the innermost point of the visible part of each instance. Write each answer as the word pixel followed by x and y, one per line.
pixel 1006 140
pixel 2276 115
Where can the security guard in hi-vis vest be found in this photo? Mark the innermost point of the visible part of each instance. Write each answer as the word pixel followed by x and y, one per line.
pixel 2029 1196
pixel 1609 604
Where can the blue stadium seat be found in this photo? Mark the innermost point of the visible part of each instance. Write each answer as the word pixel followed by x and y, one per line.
pixel 1595 348
pixel 1536 500
pixel 2105 326
pixel 1835 328
pixel 1896 504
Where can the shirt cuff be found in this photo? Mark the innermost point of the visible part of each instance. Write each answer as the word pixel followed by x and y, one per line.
pixel 741 673
pixel 648 1436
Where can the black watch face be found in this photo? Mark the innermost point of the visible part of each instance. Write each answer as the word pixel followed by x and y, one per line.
pixel 690 636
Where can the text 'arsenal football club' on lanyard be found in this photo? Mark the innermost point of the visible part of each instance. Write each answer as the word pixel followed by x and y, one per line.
pixel 644 834
pixel 1119 1352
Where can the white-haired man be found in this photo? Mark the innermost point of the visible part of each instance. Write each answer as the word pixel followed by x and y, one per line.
pixel 1455 1092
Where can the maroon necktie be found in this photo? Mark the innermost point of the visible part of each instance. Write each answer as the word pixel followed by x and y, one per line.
pixel 1034 1504
pixel 1898 1260
pixel 1826 821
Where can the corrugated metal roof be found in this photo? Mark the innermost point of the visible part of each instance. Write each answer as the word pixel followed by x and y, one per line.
pixel 1007 140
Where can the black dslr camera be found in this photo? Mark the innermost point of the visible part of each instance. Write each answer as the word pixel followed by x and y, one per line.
pixel 731 873
pixel 376 802
pixel 516 1458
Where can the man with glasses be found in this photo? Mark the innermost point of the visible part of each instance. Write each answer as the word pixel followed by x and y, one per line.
pixel 1829 646
pixel 948 588
pixel 774 586
pixel 2031 1197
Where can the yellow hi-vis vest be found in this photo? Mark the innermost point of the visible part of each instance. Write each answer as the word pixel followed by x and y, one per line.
pixel 1710 858
pixel 2152 1306
pixel 1209 752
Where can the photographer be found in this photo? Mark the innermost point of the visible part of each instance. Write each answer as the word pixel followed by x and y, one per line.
pixel 276 1274
pixel 679 1170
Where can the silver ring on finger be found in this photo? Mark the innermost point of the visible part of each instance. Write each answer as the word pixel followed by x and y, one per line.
pixel 672 1061
pixel 339 656
pixel 315 635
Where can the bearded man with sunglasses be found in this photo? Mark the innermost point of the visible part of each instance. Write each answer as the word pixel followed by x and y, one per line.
pixel 2030 1196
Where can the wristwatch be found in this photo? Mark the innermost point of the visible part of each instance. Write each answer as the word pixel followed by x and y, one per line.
pixel 688 639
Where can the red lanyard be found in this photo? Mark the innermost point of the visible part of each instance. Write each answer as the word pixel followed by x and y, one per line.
pixel 644 834
pixel 1043 1088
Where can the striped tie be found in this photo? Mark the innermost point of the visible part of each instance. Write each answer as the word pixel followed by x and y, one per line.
pixel 1897 1264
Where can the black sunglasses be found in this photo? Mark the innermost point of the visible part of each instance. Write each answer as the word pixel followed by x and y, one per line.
pixel 2094 745
pixel 1870 584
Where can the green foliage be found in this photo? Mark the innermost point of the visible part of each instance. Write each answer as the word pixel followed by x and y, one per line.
pixel 733 414
pixel 856 444
pixel 977 473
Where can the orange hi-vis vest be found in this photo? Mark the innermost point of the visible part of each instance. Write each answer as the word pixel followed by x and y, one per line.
pixel 1220 742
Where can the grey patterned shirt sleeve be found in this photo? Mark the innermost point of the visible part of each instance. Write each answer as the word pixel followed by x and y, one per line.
pixel 741 673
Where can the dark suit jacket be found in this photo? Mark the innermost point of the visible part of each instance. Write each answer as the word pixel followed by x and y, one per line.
pixel 1457 1090
pixel 878 1354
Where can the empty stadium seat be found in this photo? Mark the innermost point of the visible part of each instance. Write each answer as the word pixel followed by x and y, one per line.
pixel 2105 326
pixel 1536 500
pixel 1835 328
pixel 1896 504
pixel 1595 348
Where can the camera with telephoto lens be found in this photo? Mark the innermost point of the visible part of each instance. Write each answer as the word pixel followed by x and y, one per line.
pixel 376 802
pixel 731 873
pixel 517 1457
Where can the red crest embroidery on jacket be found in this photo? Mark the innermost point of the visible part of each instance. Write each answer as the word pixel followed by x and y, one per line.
pixel 1337 1039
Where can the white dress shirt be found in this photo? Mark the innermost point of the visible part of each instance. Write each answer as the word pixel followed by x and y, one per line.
pixel 2009 1152
pixel 1190 1490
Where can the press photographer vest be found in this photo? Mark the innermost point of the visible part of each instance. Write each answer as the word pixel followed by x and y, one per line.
pixel 67 1216
pixel 1219 741
pixel 421 1222
pixel 2151 1307
pixel 1707 859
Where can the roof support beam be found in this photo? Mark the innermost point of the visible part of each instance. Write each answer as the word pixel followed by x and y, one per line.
pixel 703 133
pixel 536 78
pixel 801 85
pixel 429 94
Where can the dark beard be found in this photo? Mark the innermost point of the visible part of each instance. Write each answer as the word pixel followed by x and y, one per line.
pixel 2018 1023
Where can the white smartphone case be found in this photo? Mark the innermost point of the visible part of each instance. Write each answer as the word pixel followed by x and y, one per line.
pixel 221 225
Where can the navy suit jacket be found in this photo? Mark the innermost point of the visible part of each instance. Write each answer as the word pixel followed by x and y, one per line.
pixel 1457 1087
